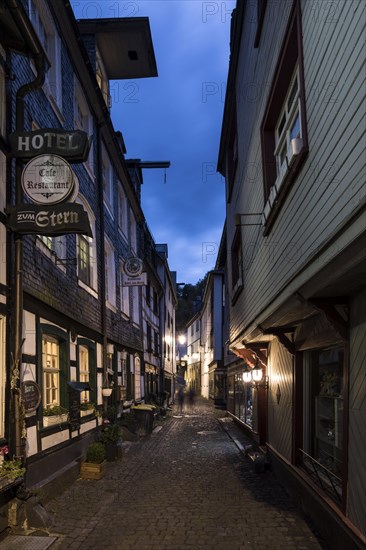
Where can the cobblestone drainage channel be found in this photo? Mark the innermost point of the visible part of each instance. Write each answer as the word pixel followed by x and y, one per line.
pixel 17 542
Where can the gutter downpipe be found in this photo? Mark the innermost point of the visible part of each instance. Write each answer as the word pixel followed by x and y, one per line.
pixel 103 276
pixel 18 440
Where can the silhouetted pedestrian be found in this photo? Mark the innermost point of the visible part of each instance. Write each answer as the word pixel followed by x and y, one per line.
pixel 180 400
pixel 191 397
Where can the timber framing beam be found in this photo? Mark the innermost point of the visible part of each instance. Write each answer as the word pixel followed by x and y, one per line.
pixel 281 334
pixel 327 306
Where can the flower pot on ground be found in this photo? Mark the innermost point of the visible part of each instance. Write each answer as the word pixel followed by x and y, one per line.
pixel 93 466
pixel 144 415
pixel 110 437
pixel 10 471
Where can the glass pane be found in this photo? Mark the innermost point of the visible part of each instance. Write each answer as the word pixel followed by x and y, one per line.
pixel 292 95
pixel 295 128
pixel 327 401
pixel 281 124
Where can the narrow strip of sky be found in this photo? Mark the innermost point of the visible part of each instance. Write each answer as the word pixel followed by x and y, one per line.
pixel 177 117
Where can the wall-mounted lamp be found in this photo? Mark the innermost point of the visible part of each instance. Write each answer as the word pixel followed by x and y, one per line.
pixel 255 377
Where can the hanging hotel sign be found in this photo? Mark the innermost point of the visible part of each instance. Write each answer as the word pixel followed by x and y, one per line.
pixel 48 179
pixel 29 219
pixel 133 275
pixel 72 145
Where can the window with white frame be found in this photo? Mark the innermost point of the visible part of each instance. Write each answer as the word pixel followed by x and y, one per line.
pixel 57 245
pixel 43 23
pixel 125 294
pixel 51 371
pixel 133 241
pixel 110 273
pixel 86 253
pixel 284 126
pixel 84 373
pixel 102 79
pixel 83 119
pixel 288 128
pixel 137 378
pixel 122 211
pixel 135 305
pixel 107 177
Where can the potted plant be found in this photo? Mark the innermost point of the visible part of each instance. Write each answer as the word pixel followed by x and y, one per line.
pixel 107 388
pixel 110 435
pixel 87 408
pixel 54 414
pixel 93 466
pixel 10 469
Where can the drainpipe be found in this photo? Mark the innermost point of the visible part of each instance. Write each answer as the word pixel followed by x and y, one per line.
pixel 103 282
pixel 17 441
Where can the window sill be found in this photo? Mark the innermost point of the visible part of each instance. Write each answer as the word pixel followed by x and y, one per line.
pixel 280 190
pixel 50 254
pixel 88 289
pixel 111 306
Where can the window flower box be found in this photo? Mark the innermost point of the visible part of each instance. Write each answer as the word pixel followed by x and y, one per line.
pixel 54 420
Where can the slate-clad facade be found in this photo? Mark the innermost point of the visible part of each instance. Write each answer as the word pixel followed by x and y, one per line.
pixel 80 323
pixel 293 156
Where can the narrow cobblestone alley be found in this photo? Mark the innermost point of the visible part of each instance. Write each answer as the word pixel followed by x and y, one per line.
pixel 187 486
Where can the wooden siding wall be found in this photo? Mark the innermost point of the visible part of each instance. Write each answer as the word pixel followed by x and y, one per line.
pixel 280 365
pixel 331 184
pixel 357 414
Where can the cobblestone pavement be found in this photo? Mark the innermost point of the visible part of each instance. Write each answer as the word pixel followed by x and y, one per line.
pixel 186 487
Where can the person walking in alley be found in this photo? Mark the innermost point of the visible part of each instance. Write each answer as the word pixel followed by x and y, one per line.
pixel 180 400
pixel 191 396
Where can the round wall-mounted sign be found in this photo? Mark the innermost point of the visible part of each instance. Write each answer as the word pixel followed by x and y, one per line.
pixel 48 179
pixel 31 394
pixel 133 267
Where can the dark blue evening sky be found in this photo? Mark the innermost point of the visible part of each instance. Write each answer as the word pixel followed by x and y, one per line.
pixel 177 117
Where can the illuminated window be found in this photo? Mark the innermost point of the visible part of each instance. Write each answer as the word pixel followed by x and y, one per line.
pixel 84 371
pixel 51 371
pixel 86 253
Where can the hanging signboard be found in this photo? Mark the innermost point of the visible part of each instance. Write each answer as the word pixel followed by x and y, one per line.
pixel 31 395
pixel 42 220
pixel 133 266
pixel 48 179
pixel 132 272
pixel 141 280
pixel 72 145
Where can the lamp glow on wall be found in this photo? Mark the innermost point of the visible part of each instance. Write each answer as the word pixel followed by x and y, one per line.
pixel 255 377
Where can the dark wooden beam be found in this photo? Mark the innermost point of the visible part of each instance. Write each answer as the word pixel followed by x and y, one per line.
pixel 280 333
pixel 332 315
